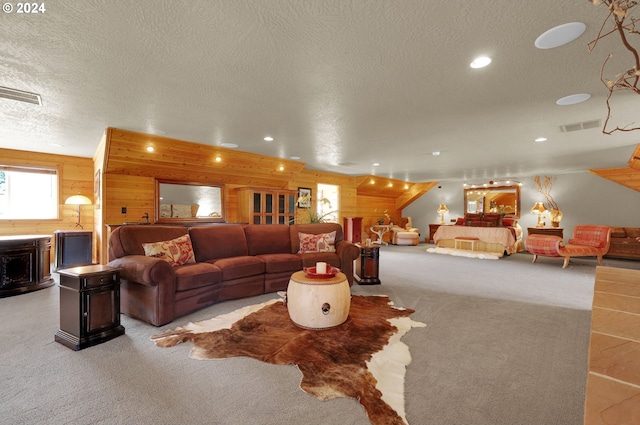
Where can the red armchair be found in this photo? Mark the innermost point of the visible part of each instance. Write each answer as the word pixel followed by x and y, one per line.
pixel 589 240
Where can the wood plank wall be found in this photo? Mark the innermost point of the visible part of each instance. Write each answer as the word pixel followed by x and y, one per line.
pixel 75 178
pixel 128 173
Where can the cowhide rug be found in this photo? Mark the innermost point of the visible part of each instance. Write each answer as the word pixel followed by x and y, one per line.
pixel 362 358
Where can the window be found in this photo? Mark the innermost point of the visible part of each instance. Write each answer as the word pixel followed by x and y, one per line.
pixel 28 193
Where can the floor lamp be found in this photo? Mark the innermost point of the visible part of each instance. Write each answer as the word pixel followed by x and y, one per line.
pixel 78 200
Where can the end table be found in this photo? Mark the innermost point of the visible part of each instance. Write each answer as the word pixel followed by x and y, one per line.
pixel 367 265
pixel 89 306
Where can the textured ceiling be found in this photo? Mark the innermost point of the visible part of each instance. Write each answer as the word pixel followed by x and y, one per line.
pixel 340 84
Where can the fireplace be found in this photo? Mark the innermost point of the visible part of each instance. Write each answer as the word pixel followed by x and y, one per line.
pixel 25 264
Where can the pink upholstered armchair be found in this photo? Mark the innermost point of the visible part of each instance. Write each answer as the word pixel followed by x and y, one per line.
pixel 589 240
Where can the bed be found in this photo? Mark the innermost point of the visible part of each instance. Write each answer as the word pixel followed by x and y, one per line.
pixel 498 240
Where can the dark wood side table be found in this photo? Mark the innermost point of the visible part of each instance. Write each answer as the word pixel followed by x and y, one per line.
pixel 89 306
pixel 550 231
pixel 73 248
pixel 25 264
pixel 368 265
pixel 433 227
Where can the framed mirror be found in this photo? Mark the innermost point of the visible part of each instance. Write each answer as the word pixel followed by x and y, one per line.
pixel 189 202
pixel 494 199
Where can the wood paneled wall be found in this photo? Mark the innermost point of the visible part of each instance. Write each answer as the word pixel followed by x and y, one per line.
pixel 128 172
pixel 75 178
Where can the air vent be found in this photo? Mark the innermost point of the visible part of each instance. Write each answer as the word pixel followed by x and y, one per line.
pixel 586 125
pixel 21 96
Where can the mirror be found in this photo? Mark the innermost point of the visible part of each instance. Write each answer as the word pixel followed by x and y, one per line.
pixel 189 201
pixel 495 199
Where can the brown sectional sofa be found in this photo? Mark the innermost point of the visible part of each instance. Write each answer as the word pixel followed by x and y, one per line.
pixel 625 243
pixel 231 261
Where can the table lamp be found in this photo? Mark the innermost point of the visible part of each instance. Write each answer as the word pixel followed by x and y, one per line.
pixel 441 210
pixel 78 200
pixel 539 208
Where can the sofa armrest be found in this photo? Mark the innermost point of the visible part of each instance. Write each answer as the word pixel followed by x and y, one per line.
pixel 545 245
pixel 149 271
pixel 348 253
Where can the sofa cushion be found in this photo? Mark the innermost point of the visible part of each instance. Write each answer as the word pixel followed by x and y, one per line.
pixel 276 263
pixel 238 267
pixel 460 221
pixel 176 251
pixel 218 241
pixel 587 242
pixel 190 276
pixel 270 239
pixel 508 222
pixel 322 242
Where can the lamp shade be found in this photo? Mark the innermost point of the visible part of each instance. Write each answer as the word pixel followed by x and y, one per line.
pixel 538 208
pixel 78 200
pixel 442 209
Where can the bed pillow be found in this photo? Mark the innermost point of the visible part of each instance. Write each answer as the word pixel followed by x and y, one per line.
pixel 177 251
pixel 322 242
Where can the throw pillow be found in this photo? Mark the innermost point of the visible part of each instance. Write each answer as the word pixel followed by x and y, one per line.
pixel 586 242
pixel 322 242
pixel 177 251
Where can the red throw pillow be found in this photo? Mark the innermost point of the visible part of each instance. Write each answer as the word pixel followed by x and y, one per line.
pixel 177 251
pixel 322 242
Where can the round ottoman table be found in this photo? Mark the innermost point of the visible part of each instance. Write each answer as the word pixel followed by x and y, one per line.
pixel 318 303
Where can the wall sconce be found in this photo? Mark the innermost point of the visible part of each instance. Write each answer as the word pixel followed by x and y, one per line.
pixel 441 210
pixel 540 209
pixel 78 200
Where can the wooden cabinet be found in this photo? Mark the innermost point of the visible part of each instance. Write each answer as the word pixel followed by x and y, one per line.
pixel 73 248
pixel 549 231
pixel 89 306
pixel 266 206
pixel 25 264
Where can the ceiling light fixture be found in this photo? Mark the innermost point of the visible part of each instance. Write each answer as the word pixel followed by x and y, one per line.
pixel 295 158
pixel 480 62
pixel 560 35
pixel 436 153
pixel 540 139
pixel 218 159
pixel 150 148
pixel 229 145
pixel 281 168
pixel 572 99
pixel 376 164
pixel 268 139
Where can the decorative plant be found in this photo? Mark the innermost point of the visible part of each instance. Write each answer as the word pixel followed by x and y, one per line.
pixel 624 24
pixel 544 187
pixel 313 216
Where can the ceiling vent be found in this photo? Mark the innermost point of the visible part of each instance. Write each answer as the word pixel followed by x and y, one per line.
pixel 586 125
pixel 21 96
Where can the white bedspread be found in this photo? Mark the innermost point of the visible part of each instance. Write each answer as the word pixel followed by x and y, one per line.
pixel 501 235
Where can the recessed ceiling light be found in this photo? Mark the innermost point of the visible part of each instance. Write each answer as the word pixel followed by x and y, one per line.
pixel 376 164
pixel 229 145
pixel 480 62
pixel 572 99
pixel 560 35
pixel 268 139
pixel 281 168
pixel 436 153
pixel 150 149
pixel 218 159
pixel 540 139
